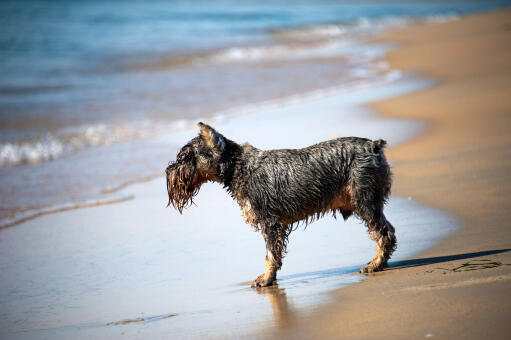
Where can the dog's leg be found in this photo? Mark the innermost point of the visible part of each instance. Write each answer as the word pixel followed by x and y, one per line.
pixel 382 233
pixel 390 243
pixel 270 274
pixel 275 237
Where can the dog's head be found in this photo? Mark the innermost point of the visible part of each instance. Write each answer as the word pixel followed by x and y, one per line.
pixel 196 163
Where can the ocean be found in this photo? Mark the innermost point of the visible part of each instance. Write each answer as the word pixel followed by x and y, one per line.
pixel 87 86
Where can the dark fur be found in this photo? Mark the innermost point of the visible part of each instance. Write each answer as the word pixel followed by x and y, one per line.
pixel 277 189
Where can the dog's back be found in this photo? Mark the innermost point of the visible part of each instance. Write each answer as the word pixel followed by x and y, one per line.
pixel 295 184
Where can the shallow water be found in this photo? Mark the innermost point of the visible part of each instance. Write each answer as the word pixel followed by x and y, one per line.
pixel 69 275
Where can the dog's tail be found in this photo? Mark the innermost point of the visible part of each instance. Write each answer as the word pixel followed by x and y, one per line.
pixel 379 145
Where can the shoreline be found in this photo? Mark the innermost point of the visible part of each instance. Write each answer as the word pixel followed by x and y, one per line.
pixel 458 288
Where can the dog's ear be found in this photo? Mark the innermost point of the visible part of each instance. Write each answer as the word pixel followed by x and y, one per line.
pixel 213 139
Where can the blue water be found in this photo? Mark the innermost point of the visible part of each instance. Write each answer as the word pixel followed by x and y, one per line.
pixel 85 84
pixel 41 40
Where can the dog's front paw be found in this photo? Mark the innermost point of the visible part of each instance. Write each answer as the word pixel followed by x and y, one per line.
pixel 372 267
pixel 262 282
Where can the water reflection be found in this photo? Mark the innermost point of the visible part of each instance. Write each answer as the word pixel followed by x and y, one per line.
pixel 281 308
pixel 305 289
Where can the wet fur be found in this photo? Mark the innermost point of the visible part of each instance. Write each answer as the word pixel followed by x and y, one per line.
pixel 277 189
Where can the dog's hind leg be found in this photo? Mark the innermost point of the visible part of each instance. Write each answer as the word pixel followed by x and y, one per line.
pixel 383 233
pixel 275 237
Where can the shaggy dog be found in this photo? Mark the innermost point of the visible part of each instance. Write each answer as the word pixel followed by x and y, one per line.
pixel 276 189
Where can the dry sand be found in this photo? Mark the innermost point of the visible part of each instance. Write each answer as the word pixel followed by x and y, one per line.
pixel 461 288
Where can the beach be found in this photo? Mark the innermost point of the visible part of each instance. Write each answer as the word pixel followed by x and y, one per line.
pixel 436 88
pixel 460 288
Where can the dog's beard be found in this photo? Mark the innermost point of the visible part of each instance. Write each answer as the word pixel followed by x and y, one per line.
pixel 183 183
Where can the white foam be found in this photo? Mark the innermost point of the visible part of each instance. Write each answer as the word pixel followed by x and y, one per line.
pixel 277 52
pixel 312 32
pixel 31 152
pixel 63 142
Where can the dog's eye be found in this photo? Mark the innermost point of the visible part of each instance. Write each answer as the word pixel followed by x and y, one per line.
pixel 186 156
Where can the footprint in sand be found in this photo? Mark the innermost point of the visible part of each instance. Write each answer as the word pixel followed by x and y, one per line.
pixel 476 265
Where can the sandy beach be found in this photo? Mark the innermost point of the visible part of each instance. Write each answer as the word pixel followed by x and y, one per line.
pixel 461 287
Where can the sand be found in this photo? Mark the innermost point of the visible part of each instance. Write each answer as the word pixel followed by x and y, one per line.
pixel 460 288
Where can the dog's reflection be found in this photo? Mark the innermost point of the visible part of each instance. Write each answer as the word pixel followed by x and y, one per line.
pixel 282 310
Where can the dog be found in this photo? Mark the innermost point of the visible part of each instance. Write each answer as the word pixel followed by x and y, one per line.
pixel 278 189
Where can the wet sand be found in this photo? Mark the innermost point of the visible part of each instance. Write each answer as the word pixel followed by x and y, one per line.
pixel 461 287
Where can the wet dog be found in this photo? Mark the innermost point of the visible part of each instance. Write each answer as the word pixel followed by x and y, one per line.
pixel 277 189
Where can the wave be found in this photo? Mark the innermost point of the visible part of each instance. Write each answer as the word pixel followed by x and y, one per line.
pixel 55 145
pixel 276 52
pixel 291 43
pixel 315 40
